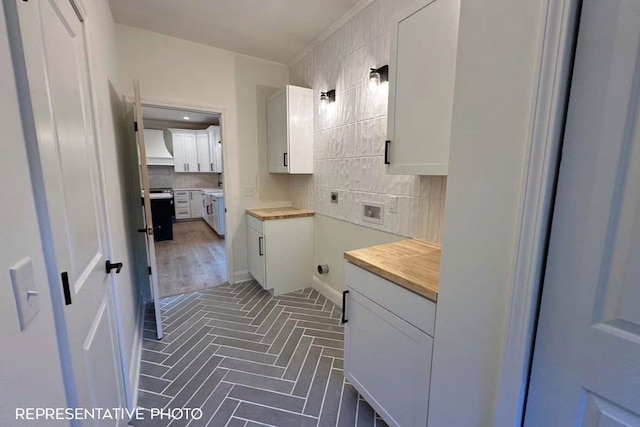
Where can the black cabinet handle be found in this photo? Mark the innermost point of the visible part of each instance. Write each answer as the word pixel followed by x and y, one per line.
pixel 65 287
pixel 108 266
pixel 386 152
pixel 285 159
pixel 344 306
pixel 211 167
pixel 260 246
pixel 142 230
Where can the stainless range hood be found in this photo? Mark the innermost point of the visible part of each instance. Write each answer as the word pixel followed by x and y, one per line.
pixel 157 152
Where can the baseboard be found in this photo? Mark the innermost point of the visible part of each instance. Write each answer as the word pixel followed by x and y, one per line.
pixel 136 356
pixel 241 276
pixel 327 291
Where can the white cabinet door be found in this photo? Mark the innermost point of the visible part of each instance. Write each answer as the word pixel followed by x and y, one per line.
pixel 191 152
pixel 290 131
pixel 422 73
pixel 277 133
pixel 204 205
pixel 179 160
pixel 257 256
pixel 195 198
pixel 202 148
pixel 388 361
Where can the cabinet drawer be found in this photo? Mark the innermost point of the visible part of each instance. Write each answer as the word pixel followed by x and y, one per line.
pixel 181 193
pixel 183 213
pixel 256 224
pixel 413 308
pixel 180 204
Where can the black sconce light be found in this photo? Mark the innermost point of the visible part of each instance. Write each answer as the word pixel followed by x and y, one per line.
pixel 377 76
pixel 327 98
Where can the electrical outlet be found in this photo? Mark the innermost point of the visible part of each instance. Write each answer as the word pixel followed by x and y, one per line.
pixel 334 197
pixel 393 204
pixel 250 191
pixel 372 212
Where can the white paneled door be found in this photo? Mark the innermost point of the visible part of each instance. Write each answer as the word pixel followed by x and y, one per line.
pixel 54 48
pixel 148 217
pixel 586 365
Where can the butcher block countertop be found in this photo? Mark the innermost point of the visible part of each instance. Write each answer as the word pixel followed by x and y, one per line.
pixel 268 214
pixel 412 264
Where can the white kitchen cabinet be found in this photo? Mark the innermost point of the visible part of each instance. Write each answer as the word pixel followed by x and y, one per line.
pixel 195 199
pixel 280 253
pixel 204 155
pixel 257 258
pixel 290 131
pixel 182 204
pixel 421 82
pixel 388 346
pixel 185 150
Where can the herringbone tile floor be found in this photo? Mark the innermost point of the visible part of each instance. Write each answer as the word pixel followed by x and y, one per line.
pixel 248 359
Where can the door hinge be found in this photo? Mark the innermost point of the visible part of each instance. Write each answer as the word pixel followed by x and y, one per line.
pixel 149 271
pixel 135 126
pixel 65 287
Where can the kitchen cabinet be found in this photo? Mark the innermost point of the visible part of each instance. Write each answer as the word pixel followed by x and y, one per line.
pixel 195 205
pixel 388 346
pixel 421 83
pixel 290 131
pixel 197 150
pixel 185 151
pixel 280 252
pixel 182 203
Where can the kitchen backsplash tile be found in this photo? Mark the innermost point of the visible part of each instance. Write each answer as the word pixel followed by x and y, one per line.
pixel 349 135
pixel 166 177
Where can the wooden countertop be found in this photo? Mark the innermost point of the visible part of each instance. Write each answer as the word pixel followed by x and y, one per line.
pixel 279 213
pixel 412 264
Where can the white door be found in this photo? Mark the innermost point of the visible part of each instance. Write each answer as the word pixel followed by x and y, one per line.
pixel 586 365
pixel 56 65
pixel 277 142
pixel 257 259
pixel 144 179
pixel 202 147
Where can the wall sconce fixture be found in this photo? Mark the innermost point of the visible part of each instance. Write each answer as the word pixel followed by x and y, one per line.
pixel 327 98
pixel 377 76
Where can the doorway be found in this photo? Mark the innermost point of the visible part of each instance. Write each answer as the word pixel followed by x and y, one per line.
pixel 185 174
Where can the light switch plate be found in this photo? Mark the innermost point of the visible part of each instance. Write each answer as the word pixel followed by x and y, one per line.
pixel 25 292
pixel 250 191
pixel 393 204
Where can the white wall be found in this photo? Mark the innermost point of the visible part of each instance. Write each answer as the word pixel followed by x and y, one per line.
pixel 30 372
pixel 183 73
pixel 349 146
pixel 499 46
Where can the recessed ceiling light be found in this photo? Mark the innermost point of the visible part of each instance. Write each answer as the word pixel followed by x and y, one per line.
pixel 186 118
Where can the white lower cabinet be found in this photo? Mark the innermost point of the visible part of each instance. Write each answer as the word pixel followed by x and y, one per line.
pixel 182 203
pixel 280 253
pixel 196 202
pixel 388 347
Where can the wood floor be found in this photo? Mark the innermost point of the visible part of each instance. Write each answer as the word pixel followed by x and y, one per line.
pixel 195 259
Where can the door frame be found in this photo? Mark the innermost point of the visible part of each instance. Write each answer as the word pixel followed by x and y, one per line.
pixel 229 207
pixel 536 208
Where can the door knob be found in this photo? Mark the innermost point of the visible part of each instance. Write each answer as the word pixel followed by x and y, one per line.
pixel 110 266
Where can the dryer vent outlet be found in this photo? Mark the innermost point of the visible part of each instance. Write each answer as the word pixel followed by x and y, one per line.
pixel 323 269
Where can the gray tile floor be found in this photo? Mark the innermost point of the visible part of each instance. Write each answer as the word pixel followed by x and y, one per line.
pixel 248 359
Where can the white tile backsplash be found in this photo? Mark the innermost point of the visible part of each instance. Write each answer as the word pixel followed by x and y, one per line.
pixel 349 136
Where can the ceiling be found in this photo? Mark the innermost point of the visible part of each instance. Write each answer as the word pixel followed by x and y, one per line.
pixel 169 115
pixel 275 30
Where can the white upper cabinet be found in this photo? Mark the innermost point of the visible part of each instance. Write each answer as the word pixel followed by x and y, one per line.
pixel 197 150
pixel 290 131
pixel 421 82
pixel 204 156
